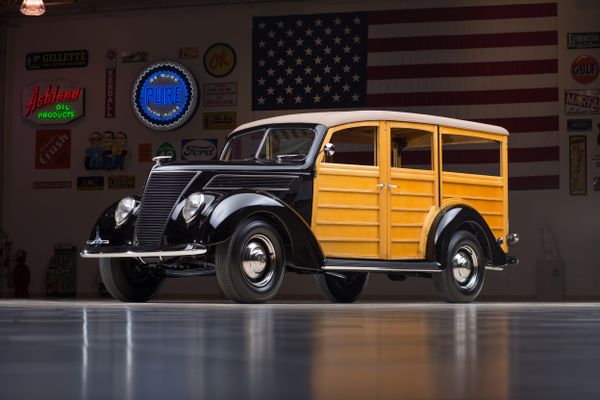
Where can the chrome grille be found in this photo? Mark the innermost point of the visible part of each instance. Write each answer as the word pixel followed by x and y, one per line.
pixel 264 182
pixel 162 192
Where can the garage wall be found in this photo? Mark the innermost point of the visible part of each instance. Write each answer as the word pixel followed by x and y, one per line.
pixel 36 220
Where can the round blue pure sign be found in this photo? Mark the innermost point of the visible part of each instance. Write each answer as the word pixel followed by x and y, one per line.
pixel 165 96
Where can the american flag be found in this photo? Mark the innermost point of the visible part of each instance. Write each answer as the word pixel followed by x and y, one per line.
pixel 489 63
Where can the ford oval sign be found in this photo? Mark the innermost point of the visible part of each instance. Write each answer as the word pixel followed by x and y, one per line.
pixel 165 96
pixel 199 149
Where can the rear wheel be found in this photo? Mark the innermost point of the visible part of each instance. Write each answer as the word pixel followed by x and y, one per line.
pixel 464 270
pixel 338 289
pixel 250 266
pixel 127 280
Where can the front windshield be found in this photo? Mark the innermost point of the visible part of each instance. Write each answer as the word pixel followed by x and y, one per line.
pixel 276 144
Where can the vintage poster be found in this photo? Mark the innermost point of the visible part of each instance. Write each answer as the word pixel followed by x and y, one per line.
pixel 145 152
pixel 106 151
pixel 53 149
pixel 134 56
pixel 52 185
pixel 577 165
pixel 199 149
pixel 187 53
pixel 220 94
pixel 583 101
pixel 220 120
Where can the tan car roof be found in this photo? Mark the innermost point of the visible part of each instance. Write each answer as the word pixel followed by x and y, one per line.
pixel 335 118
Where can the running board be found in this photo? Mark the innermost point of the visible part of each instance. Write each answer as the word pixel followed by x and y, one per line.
pixel 352 265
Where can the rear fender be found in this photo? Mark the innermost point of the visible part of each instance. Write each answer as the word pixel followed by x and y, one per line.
pixel 462 217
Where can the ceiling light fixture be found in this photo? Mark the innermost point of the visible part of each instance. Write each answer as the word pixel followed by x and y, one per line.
pixel 33 7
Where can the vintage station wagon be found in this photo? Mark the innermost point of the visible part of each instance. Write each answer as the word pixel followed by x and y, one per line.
pixel 335 194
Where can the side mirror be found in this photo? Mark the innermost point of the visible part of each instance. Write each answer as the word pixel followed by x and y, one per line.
pixel 329 149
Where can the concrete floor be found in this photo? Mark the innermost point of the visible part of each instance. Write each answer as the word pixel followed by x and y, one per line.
pixel 109 350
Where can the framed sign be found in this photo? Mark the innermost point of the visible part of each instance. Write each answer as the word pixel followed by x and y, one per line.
pixel 220 120
pixel 585 101
pixel 577 165
pixel 53 102
pixel 220 94
pixel 53 149
pixel 165 96
pixel 583 40
pixel 57 59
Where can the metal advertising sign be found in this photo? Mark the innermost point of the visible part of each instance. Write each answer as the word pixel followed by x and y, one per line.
pixel 53 149
pixel 584 69
pixel 87 183
pixel 219 60
pixel 187 53
pixel 167 149
pixel 577 165
pixel 165 96
pixel 199 149
pixel 134 56
pixel 145 152
pixel 121 182
pixel 220 94
pixel 57 59
pixel 53 102
pixel 110 83
pixel 52 185
pixel 579 125
pixel 220 120
pixel 585 101
pixel 583 40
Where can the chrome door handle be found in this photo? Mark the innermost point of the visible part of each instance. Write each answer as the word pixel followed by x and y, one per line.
pixel 380 185
pixel 390 186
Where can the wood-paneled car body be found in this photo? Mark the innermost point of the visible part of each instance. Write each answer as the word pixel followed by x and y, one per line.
pixel 335 194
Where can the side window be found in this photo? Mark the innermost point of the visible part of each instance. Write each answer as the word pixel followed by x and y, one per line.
pixel 354 146
pixel 470 155
pixel 411 148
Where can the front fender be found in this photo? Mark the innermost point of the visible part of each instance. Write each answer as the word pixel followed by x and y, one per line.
pixel 462 217
pixel 302 248
pixel 105 228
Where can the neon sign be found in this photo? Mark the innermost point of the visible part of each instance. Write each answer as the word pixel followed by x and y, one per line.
pixel 165 96
pixel 56 102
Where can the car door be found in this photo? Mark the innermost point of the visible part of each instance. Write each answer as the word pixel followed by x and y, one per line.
pixel 349 198
pixel 412 188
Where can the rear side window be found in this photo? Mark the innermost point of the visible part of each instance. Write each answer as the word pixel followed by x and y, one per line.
pixel 470 155
pixel 411 148
pixel 354 146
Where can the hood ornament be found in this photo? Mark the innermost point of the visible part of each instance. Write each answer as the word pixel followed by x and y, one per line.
pixel 158 160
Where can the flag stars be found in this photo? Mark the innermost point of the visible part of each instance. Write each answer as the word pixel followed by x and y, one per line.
pixel 355 78
pixel 261 81
pixel 318 41
pixel 281 62
pixel 298 80
pixel 318 22
pixel 289 52
pixel 270 72
pixel 261 25
pixel 261 100
pixel 318 60
pixel 347 30
pixel 318 79
pixel 326 89
pixel 299 61
pixel 280 43
pixel 262 44
pixel 299 23
pixel 279 100
pixel 337 59
pixel 356 20
pixel 298 99
pixel 346 68
pixel 270 91
pixel 299 42
pixel 327 50
pixel 271 53
pixel 356 39
pixel 327 69
pixel 280 24
pixel 290 32
pixel 337 78
pixel 355 97
pixel 337 40
pixel 289 90
pixel 356 58
pixel 289 70
pixel 308 32
pixel 317 98
pixel 337 21
pixel 307 89
pixel 280 81
pixel 328 31
pixel 347 49
pixel 271 34
pixel 308 51
pixel 262 63
pixel 308 70
pixel 335 98
pixel 345 88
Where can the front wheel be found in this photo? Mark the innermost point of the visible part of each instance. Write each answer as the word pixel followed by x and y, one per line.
pixel 346 288
pixel 128 281
pixel 463 275
pixel 250 266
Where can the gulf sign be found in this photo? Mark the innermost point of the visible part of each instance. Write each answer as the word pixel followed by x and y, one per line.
pixel 584 69
pixel 165 96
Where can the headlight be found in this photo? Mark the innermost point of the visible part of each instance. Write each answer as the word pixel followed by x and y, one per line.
pixel 193 204
pixel 125 207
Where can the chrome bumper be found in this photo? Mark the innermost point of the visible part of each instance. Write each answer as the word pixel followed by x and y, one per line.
pixel 192 249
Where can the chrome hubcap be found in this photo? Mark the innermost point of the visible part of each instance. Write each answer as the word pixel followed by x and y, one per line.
pixel 465 267
pixel 258 260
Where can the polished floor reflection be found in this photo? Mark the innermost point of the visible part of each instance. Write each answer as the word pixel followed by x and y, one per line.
pixel 109 350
